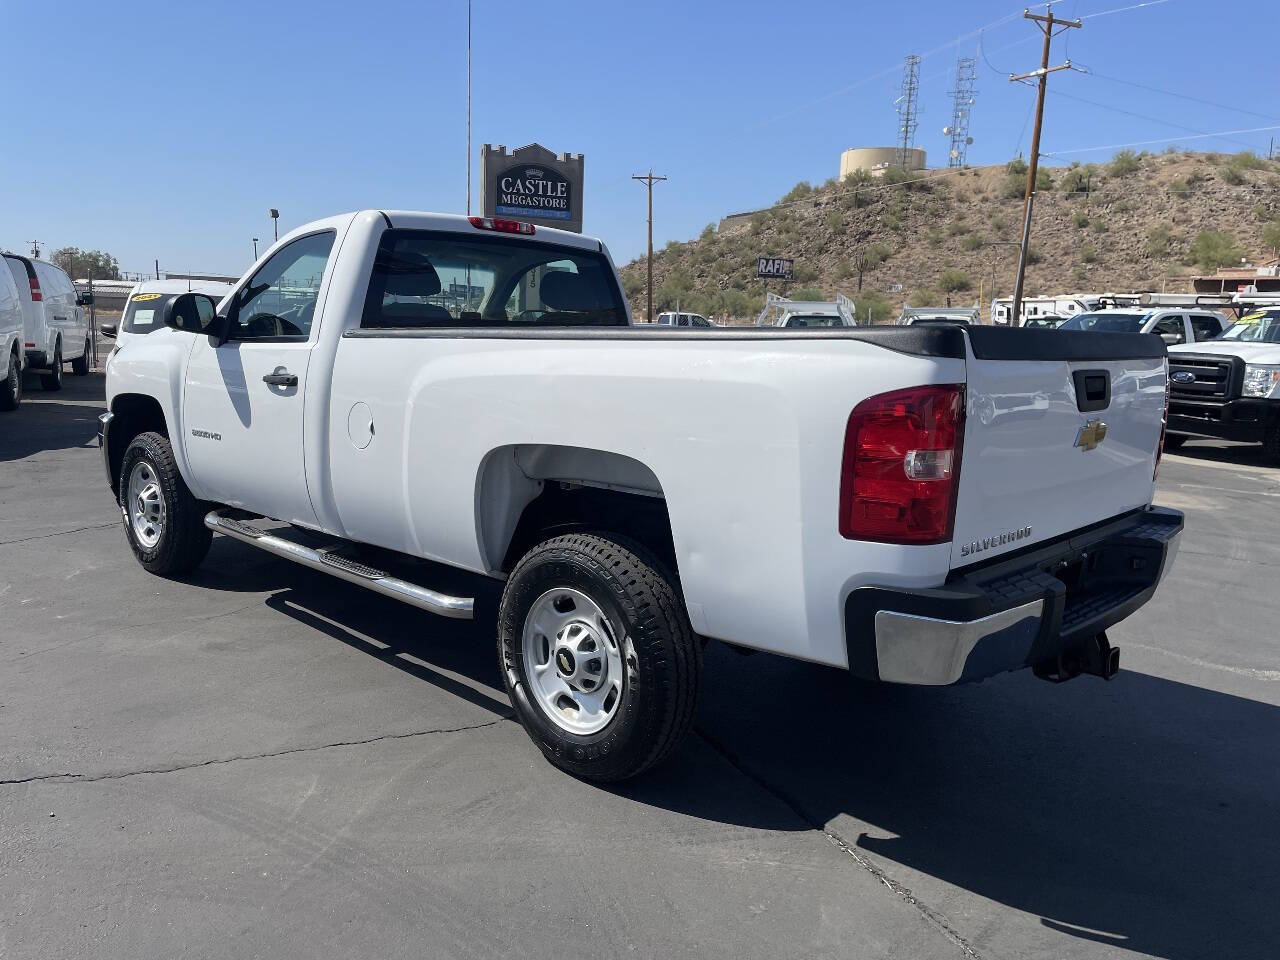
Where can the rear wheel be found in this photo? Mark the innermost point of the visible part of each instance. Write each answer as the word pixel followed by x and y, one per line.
pixel 598 656
pixel 80 365
pixel 162 520
pixel 53 379
pixel 1172 441
pixel 11 389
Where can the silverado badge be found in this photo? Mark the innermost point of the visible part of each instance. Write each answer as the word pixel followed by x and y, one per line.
pixel 1091 434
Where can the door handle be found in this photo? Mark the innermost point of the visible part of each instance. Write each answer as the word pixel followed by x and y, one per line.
pixel 282 378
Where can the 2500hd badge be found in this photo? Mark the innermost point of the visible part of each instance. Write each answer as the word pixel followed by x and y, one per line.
pixel 205 434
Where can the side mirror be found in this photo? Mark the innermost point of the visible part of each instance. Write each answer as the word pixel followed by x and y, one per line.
pixel 188 313
pixel 1171 338
pixel 108 330
pixel 84 299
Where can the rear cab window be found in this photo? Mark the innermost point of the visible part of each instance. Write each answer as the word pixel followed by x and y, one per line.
pixel 429 278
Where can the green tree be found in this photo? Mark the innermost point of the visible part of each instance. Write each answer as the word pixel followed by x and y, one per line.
pixel 83 263
pixel 1213 249
pixel 798 192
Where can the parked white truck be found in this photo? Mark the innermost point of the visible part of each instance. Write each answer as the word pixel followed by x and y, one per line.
pixel 942 504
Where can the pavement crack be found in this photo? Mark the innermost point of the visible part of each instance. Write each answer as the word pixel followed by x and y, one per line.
pixel 60 533
pixel 177 768
pixel 901 891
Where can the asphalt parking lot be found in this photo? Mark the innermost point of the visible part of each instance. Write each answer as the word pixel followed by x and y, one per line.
pixel 263 761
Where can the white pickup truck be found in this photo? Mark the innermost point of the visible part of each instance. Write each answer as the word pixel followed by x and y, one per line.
pixel 920 505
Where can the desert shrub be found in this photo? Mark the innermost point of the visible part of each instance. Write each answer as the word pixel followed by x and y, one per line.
pixel 1124 163
pixel 1088 253
pixel 933 236
pixel 1213 249
pixel 952 280
pixel 873 303
pixel 801 190
pixel 808 293
pixel 956 229
pixel 804 273
pixel 835 222
pixel 892 221
pixel 1017 167
pixel 972 242
pixel 1271 236
pixel 1158 238
pixel 1034 256
pixel 1080 218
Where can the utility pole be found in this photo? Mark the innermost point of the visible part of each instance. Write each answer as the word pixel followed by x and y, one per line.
pixel 275 222
pixel 35 249
pixel 157 268
pixel 468 121
pixel 255 249
pixel 1046 22
pixel 649 179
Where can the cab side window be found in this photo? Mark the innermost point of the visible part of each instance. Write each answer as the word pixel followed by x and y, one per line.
pixel 1172 325
pixel 279 301
pixel 1205 328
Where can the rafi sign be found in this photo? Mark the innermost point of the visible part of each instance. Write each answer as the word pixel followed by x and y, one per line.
pixel 774 268
pixel 533 184
pixel 539 190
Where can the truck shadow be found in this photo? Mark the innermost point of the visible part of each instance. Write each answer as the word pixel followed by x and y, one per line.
pixel 1213 451
pixel 1139 815
pixel 46 420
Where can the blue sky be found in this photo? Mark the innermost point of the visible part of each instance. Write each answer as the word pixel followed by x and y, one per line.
pixel 166 130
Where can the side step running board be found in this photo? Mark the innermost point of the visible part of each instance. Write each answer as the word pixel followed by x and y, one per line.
pixel 459 608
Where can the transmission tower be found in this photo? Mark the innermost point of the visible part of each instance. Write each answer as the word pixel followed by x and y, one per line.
pixel 962 98
pixel 908 105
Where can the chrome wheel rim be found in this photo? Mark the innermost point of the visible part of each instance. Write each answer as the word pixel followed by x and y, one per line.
pixel 144 504
pixel 573 658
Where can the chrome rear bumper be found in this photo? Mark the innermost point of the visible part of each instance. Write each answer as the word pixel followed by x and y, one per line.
pixel 1012 613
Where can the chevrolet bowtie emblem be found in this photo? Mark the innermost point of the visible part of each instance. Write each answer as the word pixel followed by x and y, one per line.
pixel 1091 434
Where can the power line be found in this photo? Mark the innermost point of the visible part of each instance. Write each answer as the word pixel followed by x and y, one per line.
pixel 1142 116
pixel 1147 143
pixel 1089 71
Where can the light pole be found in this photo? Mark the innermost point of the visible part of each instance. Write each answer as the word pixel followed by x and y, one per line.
pixel 255 249
pixel 275 223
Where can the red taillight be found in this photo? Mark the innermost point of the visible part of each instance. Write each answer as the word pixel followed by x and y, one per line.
pixel 901 465
pixel 502 226
pixel 36 295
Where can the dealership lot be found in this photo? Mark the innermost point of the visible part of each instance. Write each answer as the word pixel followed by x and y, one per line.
pixel 263 761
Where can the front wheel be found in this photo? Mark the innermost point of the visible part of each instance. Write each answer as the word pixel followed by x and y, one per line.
pixel 80 365
pixel 162 520
pixel 598 656
pixel 53 379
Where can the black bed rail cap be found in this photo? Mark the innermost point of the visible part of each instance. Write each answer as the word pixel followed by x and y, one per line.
pixel 1023 343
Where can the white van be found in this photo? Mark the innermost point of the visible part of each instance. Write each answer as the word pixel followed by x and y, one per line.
pixel 55 328
pixel 146 303
pixel 12 354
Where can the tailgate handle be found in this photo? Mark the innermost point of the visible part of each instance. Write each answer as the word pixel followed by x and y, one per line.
pixel 1093 389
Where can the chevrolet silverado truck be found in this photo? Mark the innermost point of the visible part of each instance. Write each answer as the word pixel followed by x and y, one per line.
pixel 1228 388
pixel 387 393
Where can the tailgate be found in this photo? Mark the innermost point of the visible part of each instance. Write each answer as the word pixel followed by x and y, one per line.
pixel 1061 432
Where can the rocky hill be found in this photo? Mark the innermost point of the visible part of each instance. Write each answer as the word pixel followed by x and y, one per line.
pixel 1139 222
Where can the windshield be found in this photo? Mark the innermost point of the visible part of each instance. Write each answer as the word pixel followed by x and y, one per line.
pixel 1258 327
pixel 1106 322
pixel 814 320
pixel 426 278
pixel 143 312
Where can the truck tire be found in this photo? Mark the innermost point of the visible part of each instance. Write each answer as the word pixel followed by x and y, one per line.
pixel 80 365
pixel 53 379
pixel 11 389
pixel 1271 444
pixel 1172 441
pixel 598 656
pixel 163 522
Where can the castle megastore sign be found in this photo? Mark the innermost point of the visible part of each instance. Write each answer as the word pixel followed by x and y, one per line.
pixel 537 191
